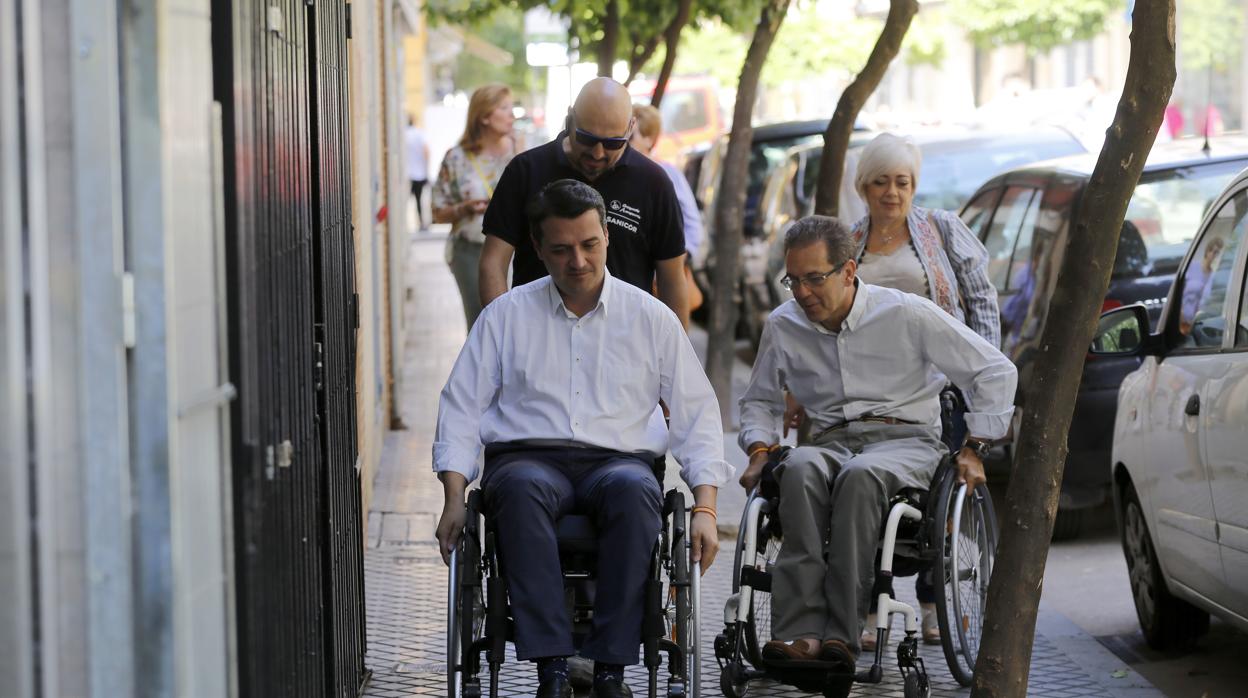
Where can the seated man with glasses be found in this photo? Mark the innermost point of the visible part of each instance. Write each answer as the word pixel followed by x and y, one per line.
pixel 868 363
pixel 643 214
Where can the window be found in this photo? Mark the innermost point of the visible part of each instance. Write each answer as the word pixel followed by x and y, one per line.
pixel 1015 209
pixel 684 110
pixel 1202 303
pixel 979 211
pixel 1165 214
pixel 1241 329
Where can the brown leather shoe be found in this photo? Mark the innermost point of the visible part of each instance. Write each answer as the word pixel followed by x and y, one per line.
pixel 837 652
pixel 781 651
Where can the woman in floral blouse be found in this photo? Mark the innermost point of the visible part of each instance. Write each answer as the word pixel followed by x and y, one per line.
pixel 466 182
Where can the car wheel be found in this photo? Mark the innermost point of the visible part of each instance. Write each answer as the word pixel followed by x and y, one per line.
pixel 1068 524
pixel 1166 621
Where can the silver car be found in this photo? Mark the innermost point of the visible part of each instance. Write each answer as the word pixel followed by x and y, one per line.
pixel 1180 453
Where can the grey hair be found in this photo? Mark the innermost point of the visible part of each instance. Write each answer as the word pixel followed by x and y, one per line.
pixel 887 153
pixel 830 231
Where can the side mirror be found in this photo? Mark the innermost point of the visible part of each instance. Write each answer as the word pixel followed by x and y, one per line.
pixel 1121 331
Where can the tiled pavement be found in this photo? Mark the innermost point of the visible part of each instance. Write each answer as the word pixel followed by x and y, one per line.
pixel 406 580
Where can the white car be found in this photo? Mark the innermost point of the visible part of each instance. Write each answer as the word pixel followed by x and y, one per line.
pixel 1180 453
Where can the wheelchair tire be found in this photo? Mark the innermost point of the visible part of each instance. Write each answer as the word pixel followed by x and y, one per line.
pixel 913 687
pixel 756 631
pixel 681 612
pixel 967 548
pixel 466 616
pixel 728 682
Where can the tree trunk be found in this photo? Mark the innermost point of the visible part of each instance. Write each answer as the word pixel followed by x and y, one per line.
pixel 610 39
pixel 836 138
pixel 1014 593
pixel 671 39
pixel 730 210
pixel 641 54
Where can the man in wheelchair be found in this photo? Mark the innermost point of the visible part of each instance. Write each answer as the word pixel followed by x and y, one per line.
pixel 868 363
pixel 561 378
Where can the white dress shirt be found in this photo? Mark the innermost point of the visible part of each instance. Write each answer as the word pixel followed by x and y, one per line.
pixel 890 359
pixel 532 370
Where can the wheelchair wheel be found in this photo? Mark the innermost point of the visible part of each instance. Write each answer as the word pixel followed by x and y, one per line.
pixel 757 629
pixel 465 612
pixel 681 601
pixel 760 606
pixel 967 550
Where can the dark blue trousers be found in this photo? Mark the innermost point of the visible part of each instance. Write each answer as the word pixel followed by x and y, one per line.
pixel 526 492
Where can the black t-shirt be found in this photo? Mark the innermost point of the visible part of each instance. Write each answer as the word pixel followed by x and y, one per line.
pixel 643 216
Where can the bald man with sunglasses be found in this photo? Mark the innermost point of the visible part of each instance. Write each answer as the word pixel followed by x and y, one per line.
pixel 643 215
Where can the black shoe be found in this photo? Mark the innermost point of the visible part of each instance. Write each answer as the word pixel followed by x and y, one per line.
pixel 557 687
pixel 611 689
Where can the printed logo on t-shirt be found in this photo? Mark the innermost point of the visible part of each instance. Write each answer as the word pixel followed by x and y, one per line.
pixel 623 215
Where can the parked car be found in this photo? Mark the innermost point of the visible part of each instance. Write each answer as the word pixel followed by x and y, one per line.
pixel 691 113
pixel 1023 218
pixel 955 163
pixel 768 148
pixel 1178 468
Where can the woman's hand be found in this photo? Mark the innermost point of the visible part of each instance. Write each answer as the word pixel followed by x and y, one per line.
pixel 473 207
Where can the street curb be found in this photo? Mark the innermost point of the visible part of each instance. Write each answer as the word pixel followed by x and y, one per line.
pixel 1115 676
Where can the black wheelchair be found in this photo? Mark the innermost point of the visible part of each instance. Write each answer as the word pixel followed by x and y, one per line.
pixel 942 529
pixel 479 621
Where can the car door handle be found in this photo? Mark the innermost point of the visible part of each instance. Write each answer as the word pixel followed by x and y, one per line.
pixel 1193 406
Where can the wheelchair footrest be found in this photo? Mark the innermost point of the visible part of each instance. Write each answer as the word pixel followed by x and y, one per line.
pixel 756 579
pixel 813 677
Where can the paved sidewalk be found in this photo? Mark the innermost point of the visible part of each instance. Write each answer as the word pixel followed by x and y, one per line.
pixel 406 581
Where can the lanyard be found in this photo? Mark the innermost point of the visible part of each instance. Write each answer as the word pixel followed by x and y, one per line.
pixel 489 188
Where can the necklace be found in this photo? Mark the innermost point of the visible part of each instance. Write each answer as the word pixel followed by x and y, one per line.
pixel 887 239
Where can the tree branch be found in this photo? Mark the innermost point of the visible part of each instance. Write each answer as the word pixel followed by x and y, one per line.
pixel 836 138
pixel 671 40
pixel 730 209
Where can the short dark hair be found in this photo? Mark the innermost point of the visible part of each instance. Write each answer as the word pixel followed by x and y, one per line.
pixel 830 231
pixel 564 198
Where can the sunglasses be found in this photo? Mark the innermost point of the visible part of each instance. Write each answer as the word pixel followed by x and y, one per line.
pixel 589 140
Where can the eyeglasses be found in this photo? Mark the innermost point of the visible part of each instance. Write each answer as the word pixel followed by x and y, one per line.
pixel 811 281
pixel 590 140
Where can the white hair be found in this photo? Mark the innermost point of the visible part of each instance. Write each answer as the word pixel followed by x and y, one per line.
pixel 887 153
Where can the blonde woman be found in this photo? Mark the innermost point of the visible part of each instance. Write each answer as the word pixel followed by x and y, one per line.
pixel 466 182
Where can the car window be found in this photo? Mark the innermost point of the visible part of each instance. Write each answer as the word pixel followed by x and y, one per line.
pixel 1003 232
pixel 1033 266
pixel 1205 282
pixel 1241 329
pixel 977 213
pixel 684 110
pixel 1020 262
pixel 951 173
pixel 1164 215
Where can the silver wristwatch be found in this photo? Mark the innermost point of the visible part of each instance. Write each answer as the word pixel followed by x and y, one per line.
pixel 980 447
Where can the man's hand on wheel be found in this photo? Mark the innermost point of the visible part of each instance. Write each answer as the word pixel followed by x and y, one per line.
pixel 451 527
pixel 754 473
pixel 970 469
pixel 704 537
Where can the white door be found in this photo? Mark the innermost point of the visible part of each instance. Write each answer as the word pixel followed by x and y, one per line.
pixel 1225 416
pixel 1184 383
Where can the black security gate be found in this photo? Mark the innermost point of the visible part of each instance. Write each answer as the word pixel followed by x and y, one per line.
pixel 280 73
